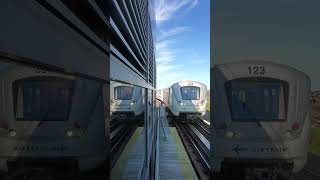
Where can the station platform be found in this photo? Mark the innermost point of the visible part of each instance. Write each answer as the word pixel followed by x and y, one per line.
pixel 130 160
pixel 174 160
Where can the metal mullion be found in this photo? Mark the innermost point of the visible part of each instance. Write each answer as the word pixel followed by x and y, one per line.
pixel 142 14
pixel 115 28
pixel 139 21
pixel 133 28
pixel 137 25
pixel 127 27
pixel 125 60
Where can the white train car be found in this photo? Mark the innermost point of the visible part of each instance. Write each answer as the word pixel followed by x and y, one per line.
pixel 261 117
pixel 186 99
pixel 58 112
pixel 48 119
pixel 126 99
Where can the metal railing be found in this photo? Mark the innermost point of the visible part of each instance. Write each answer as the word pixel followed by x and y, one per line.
pixel 157 165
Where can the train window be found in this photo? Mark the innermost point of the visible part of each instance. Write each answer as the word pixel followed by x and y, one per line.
pixel 123 92
pixel 262 99
pixel 190 93
pixel 42 98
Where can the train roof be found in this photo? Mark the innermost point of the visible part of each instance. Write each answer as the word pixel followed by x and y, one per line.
pixel 182 81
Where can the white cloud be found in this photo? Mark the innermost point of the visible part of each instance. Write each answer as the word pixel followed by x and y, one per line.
pixel 167 79
pixel 172 32
pixel 165 9
pixel 168 71
pixel 164 52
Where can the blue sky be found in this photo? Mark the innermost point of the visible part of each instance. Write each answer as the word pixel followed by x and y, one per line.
pixel 182 41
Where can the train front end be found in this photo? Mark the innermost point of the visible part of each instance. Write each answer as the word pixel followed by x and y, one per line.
pixel 190 98
pixel 261 118
pixel 126 100
pixel 49 120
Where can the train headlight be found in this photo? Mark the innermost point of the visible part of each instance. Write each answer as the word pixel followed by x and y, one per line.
pixel 75 130
pixel 288 134
pixel 295 129
pixel 229 134
pixel 132 103
pixel 181 104
pixel 237 135
pixel 70 133
pixel 295 126
pixel 12 133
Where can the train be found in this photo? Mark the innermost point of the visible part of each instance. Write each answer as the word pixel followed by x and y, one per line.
pixel 186 99
pixel 49 119
pixel 53 88
pixel 126 100
pixel 260 118
pixel 55 81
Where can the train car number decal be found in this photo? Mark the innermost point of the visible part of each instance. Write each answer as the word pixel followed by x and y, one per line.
pixel 257 70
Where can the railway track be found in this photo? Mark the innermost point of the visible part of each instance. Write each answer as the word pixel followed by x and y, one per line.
pixel 311 173
pixel 197 150
pixel 202 127
pixel 120 134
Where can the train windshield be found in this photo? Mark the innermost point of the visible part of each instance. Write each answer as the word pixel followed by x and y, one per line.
pixel 123 92
pixel 257 99
pixel 190 93
pixel 42 99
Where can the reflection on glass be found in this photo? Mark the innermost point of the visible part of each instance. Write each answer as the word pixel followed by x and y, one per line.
pixel 123 92
pixel 42 98
pixel 46 115
pixel 127 109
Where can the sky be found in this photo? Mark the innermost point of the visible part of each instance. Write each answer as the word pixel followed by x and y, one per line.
pixel 182 41
pixel 284 31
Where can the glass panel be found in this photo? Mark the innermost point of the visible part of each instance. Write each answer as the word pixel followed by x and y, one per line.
pixel 126 128
pixel 42 98
pixel 257 100
pixel 190 93
pixel 123 92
